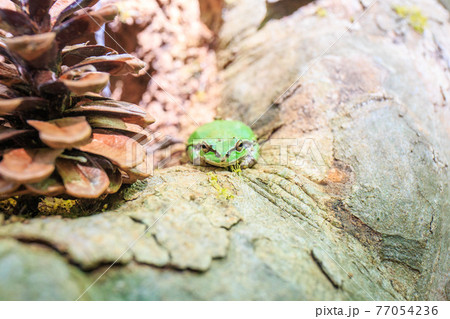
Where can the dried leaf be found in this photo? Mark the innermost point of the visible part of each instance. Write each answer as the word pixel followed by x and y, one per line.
pixel 82 180
pixel 118 64
pixel 28 165
pixel 119 149
pixel 67 132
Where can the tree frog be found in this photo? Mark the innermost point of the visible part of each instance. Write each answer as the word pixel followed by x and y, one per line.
pixel 224 144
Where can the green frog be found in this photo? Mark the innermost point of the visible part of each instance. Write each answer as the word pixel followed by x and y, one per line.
pixel 224 144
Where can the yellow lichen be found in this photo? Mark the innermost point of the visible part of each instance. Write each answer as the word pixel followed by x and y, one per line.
pixel 7 205
pixel 414 16
pixel 321 12
pixel 56 206
pixel 222 192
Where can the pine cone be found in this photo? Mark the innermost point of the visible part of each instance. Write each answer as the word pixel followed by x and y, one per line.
pixel 57 134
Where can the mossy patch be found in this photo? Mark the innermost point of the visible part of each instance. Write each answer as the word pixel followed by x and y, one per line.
pixel 222 192
pixel 72 208
pixel 33 206
pixel 133 191
pixel 7 205
pixel 414 17
pixel 56 206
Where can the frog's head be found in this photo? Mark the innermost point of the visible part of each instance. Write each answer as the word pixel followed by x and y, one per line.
pixel 222 152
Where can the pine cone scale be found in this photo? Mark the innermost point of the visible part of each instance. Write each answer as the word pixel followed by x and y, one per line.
pixel 63 133
pixel 28 165
pixel 87 181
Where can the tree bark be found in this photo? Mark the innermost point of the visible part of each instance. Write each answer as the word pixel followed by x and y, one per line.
pixel 349 201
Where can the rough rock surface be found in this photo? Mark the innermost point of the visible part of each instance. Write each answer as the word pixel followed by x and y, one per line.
pixel 350 200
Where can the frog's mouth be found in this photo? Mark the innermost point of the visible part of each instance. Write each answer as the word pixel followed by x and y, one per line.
pixel 221 164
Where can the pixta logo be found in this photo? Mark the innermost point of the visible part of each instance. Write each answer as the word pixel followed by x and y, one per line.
pixel 139 153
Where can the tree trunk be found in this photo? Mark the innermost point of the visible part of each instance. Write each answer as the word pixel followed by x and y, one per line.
pixel 350 199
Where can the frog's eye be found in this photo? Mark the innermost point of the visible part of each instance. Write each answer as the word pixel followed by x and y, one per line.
pixel 239 146
pixel 205 148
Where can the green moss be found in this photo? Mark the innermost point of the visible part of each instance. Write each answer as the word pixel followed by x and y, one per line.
pixel 414 16
pixel 7 206
pixel 32 206
pixel 56 206
pixel 133 191
pixel 71 208
pixel 20 206
pixel 222 192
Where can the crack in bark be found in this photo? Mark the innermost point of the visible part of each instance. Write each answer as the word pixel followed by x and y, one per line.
pixel 320 263
pixel 147 229
pixel 52 247
pixel 431 223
